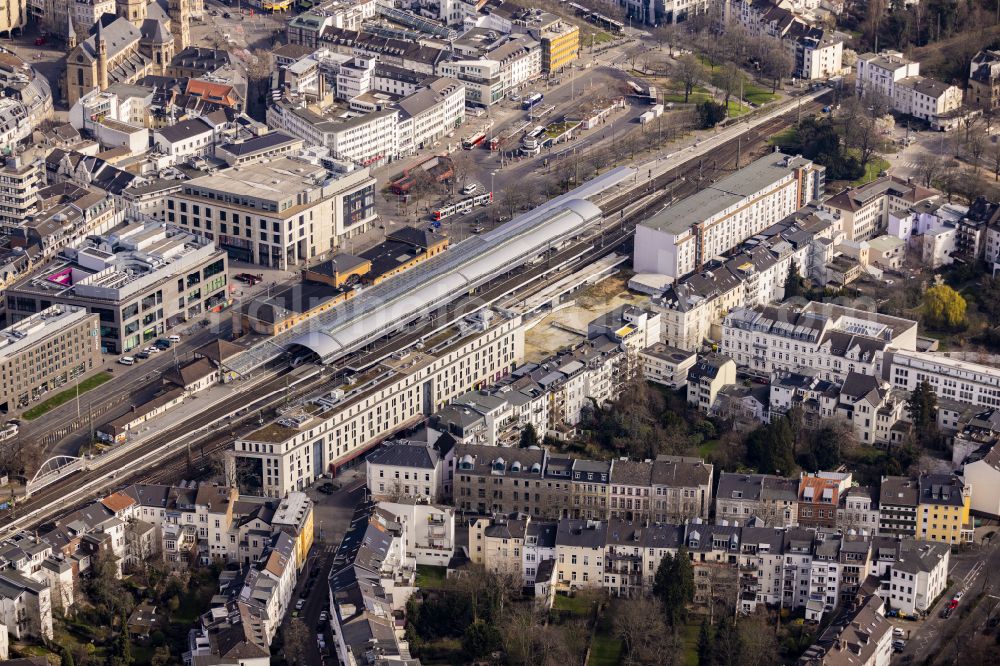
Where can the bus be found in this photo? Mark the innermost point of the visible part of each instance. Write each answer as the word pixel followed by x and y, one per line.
pixel 462 207
pixel 473 141
pixel 531 100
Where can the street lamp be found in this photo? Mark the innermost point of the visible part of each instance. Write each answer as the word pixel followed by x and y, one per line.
pixel 494 199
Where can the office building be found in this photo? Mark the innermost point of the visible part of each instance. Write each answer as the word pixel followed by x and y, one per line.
pixel 140 280
pixel 951 377
pixel 45 351
pixel 280 213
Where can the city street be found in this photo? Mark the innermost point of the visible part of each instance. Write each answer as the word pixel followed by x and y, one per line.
pixel 974 574
pixel 331 517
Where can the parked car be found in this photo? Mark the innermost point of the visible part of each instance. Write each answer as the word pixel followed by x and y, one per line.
pixel 227 15
pixel 40 41
pixel 896 631
pixel 299 604
pixel 471 188
pixel 174 338
pixel 142 356
pixel 162 343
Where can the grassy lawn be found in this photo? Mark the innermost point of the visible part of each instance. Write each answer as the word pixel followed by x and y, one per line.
pixel 707 448
pixel 788 136
pixel 876 166
pixel 600 38
pixel 430 577
pixel 689 641
pixel 605 651
pixel 193 604
pixel 757 95
pixel 736 109
pixel 63 397
pixel 579 606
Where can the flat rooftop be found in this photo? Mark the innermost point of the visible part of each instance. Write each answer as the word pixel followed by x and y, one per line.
pixel 17 337
pixel 728 192
pixel 275 179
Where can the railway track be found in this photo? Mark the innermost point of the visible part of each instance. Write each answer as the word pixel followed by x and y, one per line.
pixel 196 458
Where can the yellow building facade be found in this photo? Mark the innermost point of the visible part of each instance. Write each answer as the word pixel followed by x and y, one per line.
pixel 560 47
pixel 943 509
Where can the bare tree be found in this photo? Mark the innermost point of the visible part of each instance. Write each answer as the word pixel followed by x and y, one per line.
pixel 929 166
pixel 690 73
pixel 639 624
pixel 727 80
pixel 296 642
pixel 975 146
pixel 461 166
pixel 775 61
pixel 993 151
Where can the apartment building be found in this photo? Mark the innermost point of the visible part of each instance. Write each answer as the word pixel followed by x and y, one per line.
pixel 816 53
pixel 707 377
pixel 951 377
pixel 44 352
pixel 833 339
pixel 580 553
pixel 20 180
pixel 141 280
pixel 866 211
pixel 65 215
pixel 859 510
pixel 943 509
pixel 918 576
pixel 428 530
pixel 983 91
pixel 899 81
pixel 663 364
pixel 692 308
pixel 281 213
pixel 681 489
pixel 722 216
pixel 25 606
pixel 291 452
pixel 819 497
pixel 412 468
pixel 773 500
pixel 863 636
pixel 498 542
pixel 984 476
pixel 898 499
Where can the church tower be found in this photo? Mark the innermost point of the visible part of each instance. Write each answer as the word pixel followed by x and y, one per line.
pixel 102 59
pixel 180 20
pixel 70 33
pixel 134 11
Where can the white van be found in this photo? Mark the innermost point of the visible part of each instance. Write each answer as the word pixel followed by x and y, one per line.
pixel 126 360
pixel 174 338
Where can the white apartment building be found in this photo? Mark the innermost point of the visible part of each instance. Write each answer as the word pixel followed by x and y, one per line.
pixel 520 61
pixel 20 180
pixel 918 575
pixel 279 213
pixel 429 114
pixel 366 138
pixel 682 238
pixel 818 55
pixel 407 468
pixel 429 530
pixel 692 308
pixel 293 451
pixel 949 374
pixel 833 339
pixel 666 365
pixel 898 80
pixel 483 79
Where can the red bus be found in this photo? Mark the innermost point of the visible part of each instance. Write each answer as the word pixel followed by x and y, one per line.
pixel 473 141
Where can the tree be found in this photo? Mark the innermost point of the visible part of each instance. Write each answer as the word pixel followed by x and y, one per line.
pixel 794 284
pixel 66 657
pixel 639 624
pixel 161 657
pixel 727 80
pixel 775 61
pixel 758 643
pixel 705 656
pixel 711 114
pixel 929 166
pixel 943 308
pixel 296 641
pixel 480 639
pixel 121 654
pixel 829 443
pixel 922 410
pixel 726 649
pixel 529 437
pixel 673 585
pixel 689 72
pixel 771 447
